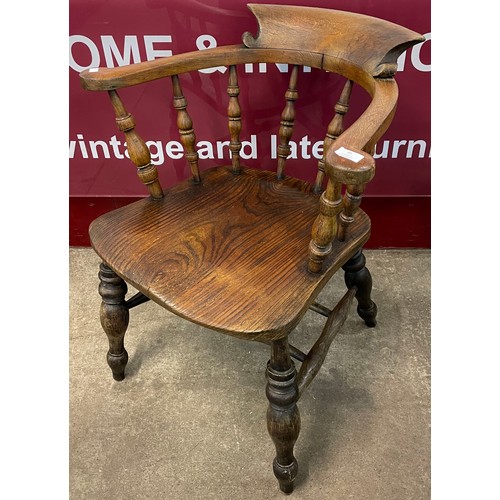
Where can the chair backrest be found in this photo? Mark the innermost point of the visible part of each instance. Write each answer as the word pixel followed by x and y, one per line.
pixel 360 48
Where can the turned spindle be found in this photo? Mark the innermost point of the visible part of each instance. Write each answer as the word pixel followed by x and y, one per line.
pixel 335 128
pixel 185 126
pixel 114 318
pixel 351 202
pixel 283 419
pixel 287 121
pixel 325 225
pixel 234 115
pixel 137 149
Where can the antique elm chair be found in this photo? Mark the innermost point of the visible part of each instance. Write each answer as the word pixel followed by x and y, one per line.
pixel 246 251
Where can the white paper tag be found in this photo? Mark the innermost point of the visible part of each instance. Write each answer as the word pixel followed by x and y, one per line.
pixel 350 155
pixel 93 70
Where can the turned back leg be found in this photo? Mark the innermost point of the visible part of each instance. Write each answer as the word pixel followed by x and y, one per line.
pixel 283 419
pixel 114 318
pixel 357 275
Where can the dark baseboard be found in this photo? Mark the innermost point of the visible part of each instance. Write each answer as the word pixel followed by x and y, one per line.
pixel 397 222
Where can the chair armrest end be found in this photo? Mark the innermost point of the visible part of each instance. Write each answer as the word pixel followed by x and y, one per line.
pixel 350 166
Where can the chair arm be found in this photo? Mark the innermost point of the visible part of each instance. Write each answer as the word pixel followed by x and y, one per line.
pixel 354 168
pixel 97 79
pixel 350 166
pixel 134 74
pixel 344 165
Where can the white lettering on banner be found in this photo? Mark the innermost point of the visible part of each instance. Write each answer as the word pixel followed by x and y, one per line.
pixel 83 148
pixel 201 44
pixel 295 147
pixel 104 148
pixel 130 48
pixel 282 68
pixel 115 143
pixel 95 58
pixel 173 149
pixel 303 149
pixel 131 53
pixel 151 52
pixel 387 152
pixel 415 57
pixel 252 144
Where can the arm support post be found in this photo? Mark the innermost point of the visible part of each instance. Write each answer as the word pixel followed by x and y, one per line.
pixel 137 149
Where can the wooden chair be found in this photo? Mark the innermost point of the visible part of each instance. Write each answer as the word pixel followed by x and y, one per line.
pixel 246 251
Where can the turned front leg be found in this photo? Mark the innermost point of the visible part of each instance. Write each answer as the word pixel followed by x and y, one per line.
pixel 283 419
pixel 114 318
pixel 357 275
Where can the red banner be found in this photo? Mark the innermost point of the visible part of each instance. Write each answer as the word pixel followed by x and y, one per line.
pixel 114 33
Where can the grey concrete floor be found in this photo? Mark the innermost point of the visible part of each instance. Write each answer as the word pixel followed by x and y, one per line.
pixel 188 422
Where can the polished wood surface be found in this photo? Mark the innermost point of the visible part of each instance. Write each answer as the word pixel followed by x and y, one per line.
pixel 136 147
pixel 287 122
pixel 114 318
pixel 283 417
pixel 335 128
pixel 193 250
pixel 234 117
pixel 363 41
pixel 186 131
pixel 245 251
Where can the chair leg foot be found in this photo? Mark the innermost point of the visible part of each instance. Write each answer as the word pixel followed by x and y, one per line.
pixel 283 419
pixel 114 318
pixel 356 274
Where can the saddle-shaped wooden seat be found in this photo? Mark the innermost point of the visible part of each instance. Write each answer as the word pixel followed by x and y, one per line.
pixel 234 244
pixel 247 251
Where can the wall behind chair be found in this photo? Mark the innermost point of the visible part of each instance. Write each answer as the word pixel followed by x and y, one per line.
pixel 113 33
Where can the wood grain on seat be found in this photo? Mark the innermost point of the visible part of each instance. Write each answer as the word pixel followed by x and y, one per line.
pixel 214 251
